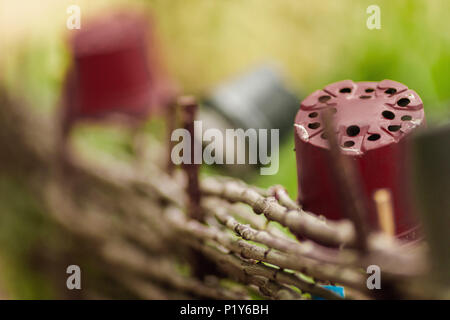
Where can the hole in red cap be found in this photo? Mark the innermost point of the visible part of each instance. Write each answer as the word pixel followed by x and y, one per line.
pixel 345 90
pixel 394 128
pixel 365 97
pixel 348 144
pixel 374 137
pixel 352 131
pixel 406 118
pixel 314 125
pixel 324 136
pixel 313 114
pixel 324 98
pixel 388 115
pixel 390 91
pixel 403 102
pixel 368 90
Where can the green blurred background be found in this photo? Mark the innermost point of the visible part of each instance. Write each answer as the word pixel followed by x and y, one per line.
pixel 207 41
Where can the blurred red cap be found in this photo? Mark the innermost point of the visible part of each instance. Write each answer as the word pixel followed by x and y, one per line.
pixel 116 69
pixel 372 120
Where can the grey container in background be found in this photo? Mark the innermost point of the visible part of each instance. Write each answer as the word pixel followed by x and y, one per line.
pixel 257 99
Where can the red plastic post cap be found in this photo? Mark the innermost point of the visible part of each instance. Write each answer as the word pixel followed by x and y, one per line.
pixel 116 68
pixel 371 120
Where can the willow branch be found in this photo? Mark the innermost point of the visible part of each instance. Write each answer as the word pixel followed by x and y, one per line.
pixel 161 270
pixel 243 213
pixel 250 251
pixel 385 251
pixel 325 232
pixel 301 249
pixel 259 269
pixel 349 187
pixel 280 193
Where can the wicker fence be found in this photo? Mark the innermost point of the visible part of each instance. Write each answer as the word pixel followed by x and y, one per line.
pixel 132 221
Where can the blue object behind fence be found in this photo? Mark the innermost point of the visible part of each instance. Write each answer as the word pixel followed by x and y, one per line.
pixel 336 289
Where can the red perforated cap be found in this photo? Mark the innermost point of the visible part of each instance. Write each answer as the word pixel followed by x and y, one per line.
pixel 371 120
pixel 368 115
